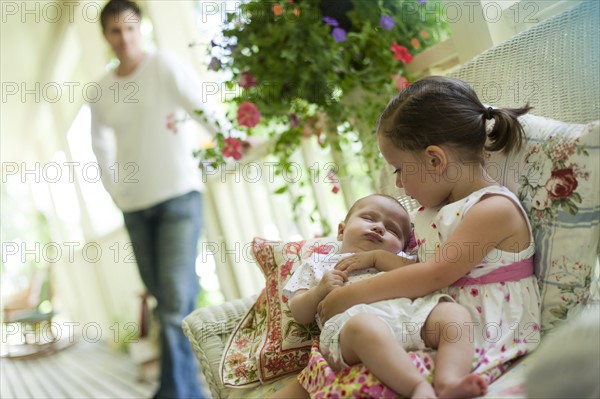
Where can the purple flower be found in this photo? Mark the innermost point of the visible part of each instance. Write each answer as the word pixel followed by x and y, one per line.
pixel 331 21
pixel 339 35
pixel 422 1
pixel 215 64
pixel 387 22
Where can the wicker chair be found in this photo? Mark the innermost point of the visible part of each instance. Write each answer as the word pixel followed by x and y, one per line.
pixel 554 66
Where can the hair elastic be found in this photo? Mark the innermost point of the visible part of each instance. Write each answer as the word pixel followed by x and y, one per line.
pixel 488 113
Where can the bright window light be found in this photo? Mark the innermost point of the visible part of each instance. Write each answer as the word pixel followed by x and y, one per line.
pixel 104 217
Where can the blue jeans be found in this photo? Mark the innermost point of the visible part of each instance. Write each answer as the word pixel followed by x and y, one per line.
pixel 165 242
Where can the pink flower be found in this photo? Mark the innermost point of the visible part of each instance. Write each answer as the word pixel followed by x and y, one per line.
pixel 286 269
pixel 233 148
pixel 401 53
pixel 247 80
pixel 248 114
pixel 319 249
pixel 171 122
pixel 242 342
pixel 401 82
pixel 561 184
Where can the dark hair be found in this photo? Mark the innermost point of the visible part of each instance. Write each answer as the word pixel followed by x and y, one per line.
pixel 113 8
pixel 438 110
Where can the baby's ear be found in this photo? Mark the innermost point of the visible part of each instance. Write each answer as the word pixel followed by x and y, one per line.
pixel 340 234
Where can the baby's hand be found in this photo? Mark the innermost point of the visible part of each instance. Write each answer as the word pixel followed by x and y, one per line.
pixel 330 281
pixel 361 260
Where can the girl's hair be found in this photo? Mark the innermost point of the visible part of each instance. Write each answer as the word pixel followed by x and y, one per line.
pixel 438 110
pixel 115 7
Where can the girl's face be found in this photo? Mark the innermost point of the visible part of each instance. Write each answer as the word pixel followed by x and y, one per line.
pixel 420 174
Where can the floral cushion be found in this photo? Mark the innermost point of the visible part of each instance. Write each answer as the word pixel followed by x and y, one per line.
pixel 556 176
pixel 268 342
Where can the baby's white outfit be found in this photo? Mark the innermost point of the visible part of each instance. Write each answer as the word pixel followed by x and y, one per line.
pixel 404 316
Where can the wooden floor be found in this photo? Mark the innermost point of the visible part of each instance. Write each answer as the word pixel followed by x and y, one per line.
pixel 83 370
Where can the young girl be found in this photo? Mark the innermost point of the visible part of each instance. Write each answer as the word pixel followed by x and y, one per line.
pixel 379 223
pixel 475 241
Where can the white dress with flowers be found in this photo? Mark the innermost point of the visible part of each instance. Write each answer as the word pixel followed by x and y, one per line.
pixel 506 314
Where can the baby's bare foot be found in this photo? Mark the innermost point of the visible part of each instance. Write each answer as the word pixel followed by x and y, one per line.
pixel 423 390
pixel 471 386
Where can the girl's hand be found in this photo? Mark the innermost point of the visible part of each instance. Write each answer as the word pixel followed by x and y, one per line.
pixel 361 260
pixel 330 281
pixel 332 304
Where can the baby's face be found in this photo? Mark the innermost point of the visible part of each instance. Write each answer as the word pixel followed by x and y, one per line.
pixel 376 222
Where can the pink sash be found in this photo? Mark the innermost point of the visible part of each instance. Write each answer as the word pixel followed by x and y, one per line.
pixel 513 272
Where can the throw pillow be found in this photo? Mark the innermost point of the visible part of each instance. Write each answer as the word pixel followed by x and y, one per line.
pixel 268 342
pixel 556 176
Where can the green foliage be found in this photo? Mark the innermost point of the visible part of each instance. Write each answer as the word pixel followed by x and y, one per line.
pixel 304 75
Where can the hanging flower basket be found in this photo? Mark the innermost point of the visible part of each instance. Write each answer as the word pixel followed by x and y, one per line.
pixel 292 61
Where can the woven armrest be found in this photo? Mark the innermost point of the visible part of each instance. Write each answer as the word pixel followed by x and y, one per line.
pixel 208 330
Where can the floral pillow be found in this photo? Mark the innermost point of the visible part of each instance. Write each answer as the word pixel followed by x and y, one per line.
pixel 556 176
pixel 268 342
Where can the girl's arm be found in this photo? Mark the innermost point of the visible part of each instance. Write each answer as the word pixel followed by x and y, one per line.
pixel 492 222
pixel 304 303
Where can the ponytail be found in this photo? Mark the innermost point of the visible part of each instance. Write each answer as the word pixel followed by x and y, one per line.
pixel 438 110
pixel 507 132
